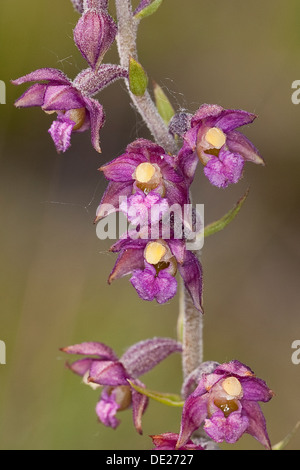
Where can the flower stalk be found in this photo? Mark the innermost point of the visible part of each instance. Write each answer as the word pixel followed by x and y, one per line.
pixel 192 334
pixel 126 42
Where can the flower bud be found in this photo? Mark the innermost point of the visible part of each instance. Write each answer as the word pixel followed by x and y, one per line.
pixel 94 34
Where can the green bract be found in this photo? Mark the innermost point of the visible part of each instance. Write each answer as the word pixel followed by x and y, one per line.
pixel 138 80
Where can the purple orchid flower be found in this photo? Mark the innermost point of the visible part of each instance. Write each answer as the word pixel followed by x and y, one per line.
pixel 226 402
pixel 213 139
pixel 143 168
pixel 154 264
pixel 168 441
pixel 140 208
pixel 101 367
pixel 76 112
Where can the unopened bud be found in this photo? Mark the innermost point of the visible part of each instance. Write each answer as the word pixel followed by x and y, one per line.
pixel 94 34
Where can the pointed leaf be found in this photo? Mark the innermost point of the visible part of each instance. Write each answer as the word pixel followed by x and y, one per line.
pixel 163 104
pixel 220 224
pixel 168 399
pixel 148 10
pixel 138 80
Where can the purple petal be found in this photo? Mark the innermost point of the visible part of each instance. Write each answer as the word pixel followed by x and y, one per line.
pixel 176 193
pixel 139 406
pixel 128 243
pixel 234 368
pixel 60 132
pixel 127 262
pixel 193 415
pixel 121 169
pixel 111 198
pixel 194 382
pixel 231 119
pixel 190 139
pixel 34 96
pixel 166 287
pixel 149 287
pixel 166 164
pixel 110 373
pixel 144 283
pixel 145 355
pixel 106 410
pixel 48 74
pixel 255 389
pixel 209 380
pixel 94 34
pixel 145 147
pixel 228 429
pixel 91 349
pixel 178 249
pixel 188 161
pixel 80 367
pixel 206 111
pixel 239 144
pixel 168 440
pixel 62 97
pixel 97 120
pixel 191 273
pixel 257 423
pixel 225 170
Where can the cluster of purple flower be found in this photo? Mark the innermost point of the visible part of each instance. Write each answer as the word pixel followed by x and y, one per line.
pixel 225 400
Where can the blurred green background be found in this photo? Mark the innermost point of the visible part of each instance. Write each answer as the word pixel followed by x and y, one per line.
pixel 54 269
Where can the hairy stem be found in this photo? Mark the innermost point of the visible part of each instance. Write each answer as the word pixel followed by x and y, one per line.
pixel 126 41
pixel 192 355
